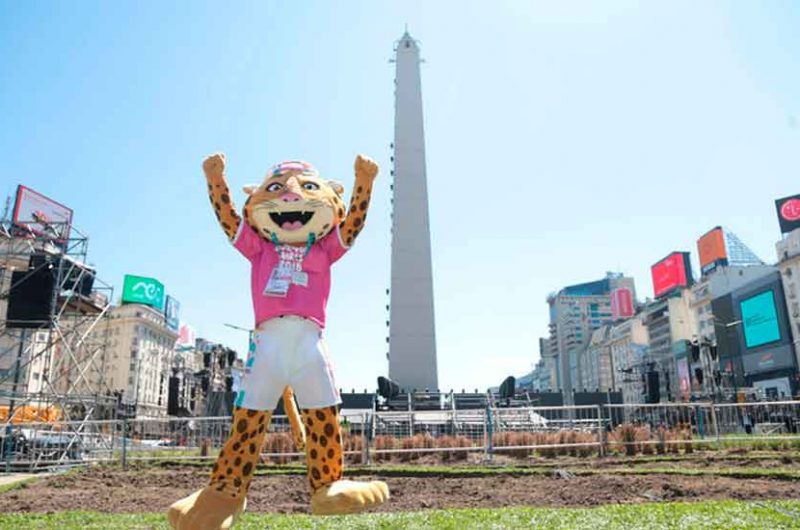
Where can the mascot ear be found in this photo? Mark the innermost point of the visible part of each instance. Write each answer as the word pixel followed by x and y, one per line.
pixel 249 188
pixel 337 187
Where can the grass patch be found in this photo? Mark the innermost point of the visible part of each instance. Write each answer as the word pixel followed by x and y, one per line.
pixel 20 484
pixel 777 473
pixel 776 515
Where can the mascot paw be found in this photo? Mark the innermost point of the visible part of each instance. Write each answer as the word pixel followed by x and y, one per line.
pixel 347 496
pixel 205 509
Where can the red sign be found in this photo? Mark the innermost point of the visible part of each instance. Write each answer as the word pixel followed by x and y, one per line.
pixel 670 273
pixel 788 213
pixel 791 210
pixel 621 303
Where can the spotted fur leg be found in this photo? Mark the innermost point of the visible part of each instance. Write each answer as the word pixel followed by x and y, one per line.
pixel 324 456
pixel 217 506
pixel 366 170
pixel 220 195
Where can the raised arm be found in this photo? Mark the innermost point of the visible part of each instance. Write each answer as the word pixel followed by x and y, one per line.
pixel 220 195
pixel 366 170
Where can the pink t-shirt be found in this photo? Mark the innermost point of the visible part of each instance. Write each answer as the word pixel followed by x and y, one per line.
pixel 305 301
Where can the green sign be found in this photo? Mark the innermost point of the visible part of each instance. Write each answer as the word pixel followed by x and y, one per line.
pixel 141 290
pixel 760 320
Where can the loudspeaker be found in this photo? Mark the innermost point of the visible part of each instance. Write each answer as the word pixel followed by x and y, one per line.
pixel 30 301
pixel 507 389
pixel 653 387
pixel 387 388
pixel 75 277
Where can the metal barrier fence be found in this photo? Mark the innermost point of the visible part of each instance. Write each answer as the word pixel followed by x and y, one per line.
pixel 447 434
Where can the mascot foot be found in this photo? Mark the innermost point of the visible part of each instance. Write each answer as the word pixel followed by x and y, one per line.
pixel 205 509
pixel 347 496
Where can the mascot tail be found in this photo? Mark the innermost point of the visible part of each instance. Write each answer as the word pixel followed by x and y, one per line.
pixel 290 406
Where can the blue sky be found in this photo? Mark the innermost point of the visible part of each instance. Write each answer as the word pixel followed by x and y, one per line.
pixel 564 139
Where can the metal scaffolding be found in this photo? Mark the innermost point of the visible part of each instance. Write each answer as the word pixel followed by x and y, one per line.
pixel 53 369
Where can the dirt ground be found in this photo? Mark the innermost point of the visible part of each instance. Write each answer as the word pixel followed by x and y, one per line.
pixel 154 489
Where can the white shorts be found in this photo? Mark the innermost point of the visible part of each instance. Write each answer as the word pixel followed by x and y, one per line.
pixel 289 350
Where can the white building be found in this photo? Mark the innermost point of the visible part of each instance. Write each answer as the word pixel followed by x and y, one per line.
pixel 140 351
pixel 628 342
pixel 412 336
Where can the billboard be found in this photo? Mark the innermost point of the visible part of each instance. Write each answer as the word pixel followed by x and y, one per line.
pixel 172 310
pixel 186 336
pixel 621 303
pixel 788 213
pixel 671 273
pixel 41 215
pixel 142 290
pixel 712 251
pixel 774 358
pixel 760 319
pixel 684 380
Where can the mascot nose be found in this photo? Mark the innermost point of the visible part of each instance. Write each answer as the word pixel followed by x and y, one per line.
pixel 290 197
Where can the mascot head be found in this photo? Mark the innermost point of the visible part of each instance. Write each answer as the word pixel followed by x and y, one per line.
pixel 294 205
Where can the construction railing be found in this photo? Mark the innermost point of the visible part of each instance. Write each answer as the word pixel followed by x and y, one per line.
pixel 447 435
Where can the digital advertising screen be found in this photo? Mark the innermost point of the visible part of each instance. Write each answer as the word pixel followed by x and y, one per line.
pixel 671 273
pixel 760 319
pixel 142 290
pixel 621 303
pixel 711 249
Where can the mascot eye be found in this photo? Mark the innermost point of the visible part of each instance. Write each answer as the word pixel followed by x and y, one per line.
pixel 275 186
pixel 310 186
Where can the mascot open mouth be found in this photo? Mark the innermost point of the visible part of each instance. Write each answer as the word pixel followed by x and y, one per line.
pixel 291 220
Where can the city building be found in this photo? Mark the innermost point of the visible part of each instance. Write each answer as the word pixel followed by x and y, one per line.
pixel 726 264
pixel 140 355
pixel 756 347
pixel 671 326
pixel 186 397
pixel 628 341
pixel 412 336
pixel 788 250
pixel 595 362
pixel 716 283
pixel 575 312
pixel 220 369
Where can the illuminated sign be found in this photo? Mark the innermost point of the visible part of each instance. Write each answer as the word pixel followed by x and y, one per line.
pixel 788 213
pixel 141 290
pixel 671 273
pixel 712 251
pixel 760 319
pixel 621 303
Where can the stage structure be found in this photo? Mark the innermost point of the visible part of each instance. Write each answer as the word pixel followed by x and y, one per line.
pixel 412 336
pixel 52 306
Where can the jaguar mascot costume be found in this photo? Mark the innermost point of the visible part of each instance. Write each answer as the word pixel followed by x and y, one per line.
pixel 292 229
